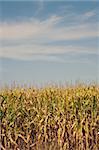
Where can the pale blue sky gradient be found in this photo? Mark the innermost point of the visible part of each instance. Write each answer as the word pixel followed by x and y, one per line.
pixel 46 41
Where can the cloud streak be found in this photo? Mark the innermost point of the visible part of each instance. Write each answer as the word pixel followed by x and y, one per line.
pixel 39 51
pixel 50 29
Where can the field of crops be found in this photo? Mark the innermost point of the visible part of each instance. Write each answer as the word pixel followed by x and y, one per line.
pixel 50 118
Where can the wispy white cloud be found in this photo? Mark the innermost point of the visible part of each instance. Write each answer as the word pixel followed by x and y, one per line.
pixel 90 14
pixel 50 29
pixel 40 7
pixel 42 52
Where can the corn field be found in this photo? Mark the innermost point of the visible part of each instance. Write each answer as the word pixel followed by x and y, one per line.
pixel 50 118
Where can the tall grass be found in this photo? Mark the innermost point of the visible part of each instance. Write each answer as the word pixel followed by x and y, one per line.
pixel 52 118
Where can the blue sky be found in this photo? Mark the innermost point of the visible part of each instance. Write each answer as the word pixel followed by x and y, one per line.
pixel 49 41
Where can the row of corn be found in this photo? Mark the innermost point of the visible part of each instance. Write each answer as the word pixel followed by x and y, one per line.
pixel 50 118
